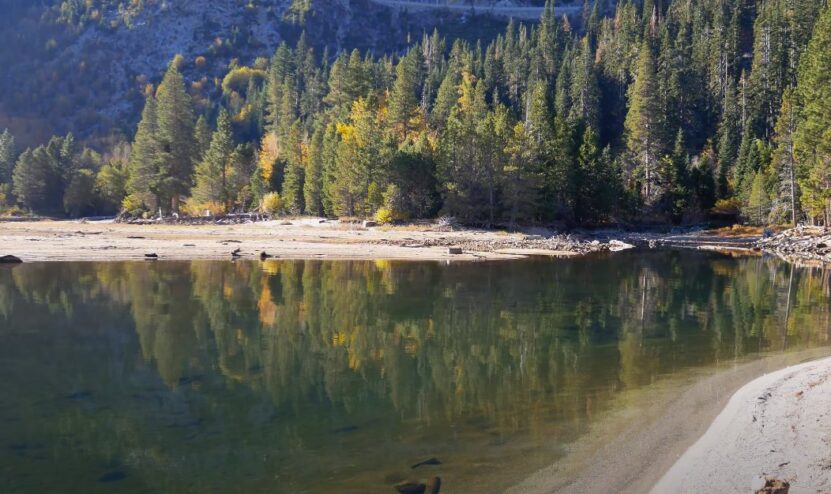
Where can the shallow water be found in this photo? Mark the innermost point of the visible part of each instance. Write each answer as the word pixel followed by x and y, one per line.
pixel 338 376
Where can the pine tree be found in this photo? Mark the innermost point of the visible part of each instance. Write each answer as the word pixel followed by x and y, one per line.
pixel 812 139
pixel 596 190
pixel 282 68
pixel 403 101
pixel 8 154
pixel 470 153
pixel 728 140
pixel 787 199
pixel 145 178
pixel 446 99
pixel 32 178
pixel 212 173
pixel 79 197
pixel 520 175
pixel 361 161
pixel 174 116
pixel 560 174
pixel 758 202
pixel 644 128
pixel 202 135
pixel 585 93
pixel 313 180
pixel 677 180
pixel 357 78
pixel 294 150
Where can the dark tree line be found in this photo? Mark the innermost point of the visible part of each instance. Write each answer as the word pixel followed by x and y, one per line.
pixel 676 113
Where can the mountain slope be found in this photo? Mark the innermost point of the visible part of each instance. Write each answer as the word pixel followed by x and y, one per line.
pixel 84 70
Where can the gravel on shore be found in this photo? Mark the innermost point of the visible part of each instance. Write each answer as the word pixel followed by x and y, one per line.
pixel 803 244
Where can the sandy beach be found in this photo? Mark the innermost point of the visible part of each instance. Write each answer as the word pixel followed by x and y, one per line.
pixel 648 443
pixel 303 238
pixel 777 426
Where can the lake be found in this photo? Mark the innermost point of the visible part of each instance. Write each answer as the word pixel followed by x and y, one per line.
pixel 339 376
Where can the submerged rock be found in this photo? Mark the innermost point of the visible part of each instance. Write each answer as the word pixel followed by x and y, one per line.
pixel 113 476
pixel 411 487
pixel 343 430
pixel 429 461
pixel 433 485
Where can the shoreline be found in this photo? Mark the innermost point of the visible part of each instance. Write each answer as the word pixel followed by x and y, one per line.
pixel 307 238
pixel 771 428
pixel 315 238
pixel 632 450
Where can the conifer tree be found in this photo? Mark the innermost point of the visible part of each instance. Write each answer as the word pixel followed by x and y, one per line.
pixel 36 179
pixel 446 98
pixel 79 197
pixel 295 157
pixel 174 116
pixel 8 154
pixel 728 140
pixel 595 194
pixel 644 128
pixel 145 177
pixel 202 135
pixel 212 173
pixel 786 201
pixel 313 180
pixel 812 139
pixel 403 101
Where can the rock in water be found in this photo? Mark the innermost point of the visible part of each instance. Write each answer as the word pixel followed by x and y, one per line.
pixel 113 476
pixel 151 257
pixel 433 485
pixel 10 260
pixel 410 487
pixel 429 461
pixel 265 255
pixel 774 486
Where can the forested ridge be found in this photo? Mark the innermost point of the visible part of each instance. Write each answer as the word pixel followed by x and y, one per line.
pixel 689 112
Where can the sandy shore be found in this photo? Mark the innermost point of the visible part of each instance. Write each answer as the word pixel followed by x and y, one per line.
pixel 632 449
pixel 777 426
pixel 305 238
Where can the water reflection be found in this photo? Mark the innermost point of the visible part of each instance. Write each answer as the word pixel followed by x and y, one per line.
pixel 319 376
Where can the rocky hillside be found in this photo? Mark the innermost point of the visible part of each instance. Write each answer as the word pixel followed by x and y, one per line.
pixel 81 66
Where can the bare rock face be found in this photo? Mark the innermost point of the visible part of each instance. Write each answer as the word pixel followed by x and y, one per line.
pixel 774 486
